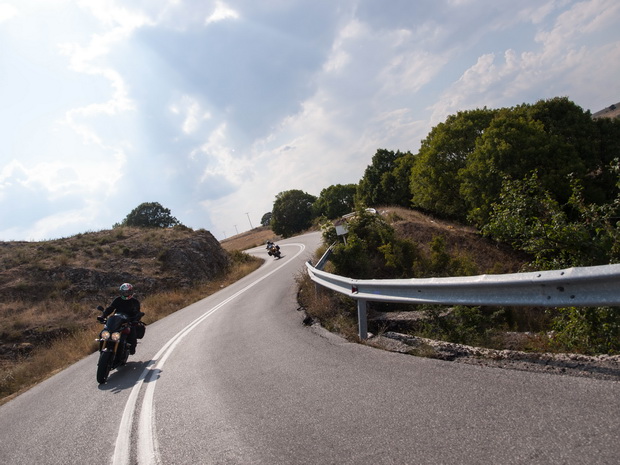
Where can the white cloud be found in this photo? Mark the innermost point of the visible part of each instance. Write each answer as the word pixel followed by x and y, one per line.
pixel 165 100
pixel 569 45
pixel 339 56
pixel 220 159
pixel 194 115
pixel 114 14
pixel 410 72
pixel 7 12
pixel 221 13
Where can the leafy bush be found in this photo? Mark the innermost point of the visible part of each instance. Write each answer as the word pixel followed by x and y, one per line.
pixel 528 218
pixel 464 325
pixel 371 249
pixel 587 330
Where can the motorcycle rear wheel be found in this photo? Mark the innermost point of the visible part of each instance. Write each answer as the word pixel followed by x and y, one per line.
pixel 103 367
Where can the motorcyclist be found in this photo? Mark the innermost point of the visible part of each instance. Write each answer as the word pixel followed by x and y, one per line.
pixel 272 248
pixel 128 305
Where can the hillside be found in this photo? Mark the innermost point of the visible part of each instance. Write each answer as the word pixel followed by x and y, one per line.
pixel 495 337
pixel 488 255
pixel 612 111
pixel 88 267
pixel 49 289
pixel 249 239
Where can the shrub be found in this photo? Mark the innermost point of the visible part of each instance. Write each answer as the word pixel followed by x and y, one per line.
pixel 587 330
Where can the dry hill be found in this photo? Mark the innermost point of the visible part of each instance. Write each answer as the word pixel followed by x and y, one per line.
pixel 48 289
pixel 612 111
pixel 488 255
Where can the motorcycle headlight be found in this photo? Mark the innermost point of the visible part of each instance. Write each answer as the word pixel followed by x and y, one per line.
pixel 116 337
pixel 105 334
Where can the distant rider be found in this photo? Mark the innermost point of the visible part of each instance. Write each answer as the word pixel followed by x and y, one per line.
pixel 272 248
pixel 128 305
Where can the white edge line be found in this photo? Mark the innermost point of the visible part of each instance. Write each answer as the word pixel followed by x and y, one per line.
pixel 148 450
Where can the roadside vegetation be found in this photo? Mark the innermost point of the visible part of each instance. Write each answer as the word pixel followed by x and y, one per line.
pixel 542 180
pixel 369 252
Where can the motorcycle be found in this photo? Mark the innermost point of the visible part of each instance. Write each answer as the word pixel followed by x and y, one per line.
pixel 273 250
pixel 114 348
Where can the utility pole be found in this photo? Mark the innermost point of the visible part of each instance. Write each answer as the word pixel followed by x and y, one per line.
pixel 248 213
pixel 236 229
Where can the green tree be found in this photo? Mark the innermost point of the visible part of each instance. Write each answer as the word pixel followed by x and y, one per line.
pixel 514 145
pixel 461 165
pixel 372 189
pixel 292 212
pixel 266 219
pixel 361 256
pixel 434 182
pixel 150 215
pixel 395 183
pixel 528 218
pixel 335 201
pixel 599 184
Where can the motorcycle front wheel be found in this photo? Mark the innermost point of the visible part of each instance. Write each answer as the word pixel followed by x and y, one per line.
pixel 103 367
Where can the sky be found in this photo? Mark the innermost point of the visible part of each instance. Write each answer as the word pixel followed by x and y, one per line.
pixel 212 108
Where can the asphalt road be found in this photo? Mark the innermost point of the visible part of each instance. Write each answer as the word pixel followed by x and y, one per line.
pixel 237 379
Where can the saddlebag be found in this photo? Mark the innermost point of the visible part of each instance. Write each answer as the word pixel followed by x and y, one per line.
pixel 140 330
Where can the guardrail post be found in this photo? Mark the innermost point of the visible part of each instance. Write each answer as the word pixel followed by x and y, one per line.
pixel 361 319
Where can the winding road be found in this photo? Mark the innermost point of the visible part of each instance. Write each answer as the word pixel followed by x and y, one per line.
pixel 237 379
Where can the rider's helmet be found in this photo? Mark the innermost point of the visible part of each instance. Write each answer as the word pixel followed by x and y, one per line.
pixel 126 291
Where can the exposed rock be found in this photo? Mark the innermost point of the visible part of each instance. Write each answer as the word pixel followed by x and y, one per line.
pixel 150 260
pixel 80 272
pixel 605 367
pixel 197 259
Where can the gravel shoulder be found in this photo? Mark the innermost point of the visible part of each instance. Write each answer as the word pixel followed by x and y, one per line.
pixel 603 367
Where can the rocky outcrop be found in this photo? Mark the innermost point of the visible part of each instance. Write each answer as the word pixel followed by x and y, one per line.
pixel 197 259
pixel 86 270
pixel 89 267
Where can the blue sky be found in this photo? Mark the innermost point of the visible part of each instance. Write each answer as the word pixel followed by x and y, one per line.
pixel 212 108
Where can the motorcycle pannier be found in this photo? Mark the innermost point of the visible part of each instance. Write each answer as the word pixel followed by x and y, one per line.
pixel 140 330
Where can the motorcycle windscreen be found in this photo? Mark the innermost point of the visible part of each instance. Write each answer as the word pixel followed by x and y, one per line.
pixel 115 321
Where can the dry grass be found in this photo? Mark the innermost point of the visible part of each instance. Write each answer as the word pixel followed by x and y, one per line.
pixel 45 361
pixel 333 311
pixel 249 239
pixel 464 241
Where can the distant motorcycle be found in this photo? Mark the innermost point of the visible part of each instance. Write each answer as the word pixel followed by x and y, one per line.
pixel 114 349
pixel 273 250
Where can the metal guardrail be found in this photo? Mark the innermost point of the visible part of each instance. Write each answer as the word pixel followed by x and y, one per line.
pixel 571 287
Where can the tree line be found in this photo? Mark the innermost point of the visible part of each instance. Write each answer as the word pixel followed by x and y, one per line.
pixel 542 177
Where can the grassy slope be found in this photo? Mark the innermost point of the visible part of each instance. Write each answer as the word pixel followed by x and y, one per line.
pixel 48 290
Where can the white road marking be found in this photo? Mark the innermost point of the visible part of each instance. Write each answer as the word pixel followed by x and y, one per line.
pixel 148 450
